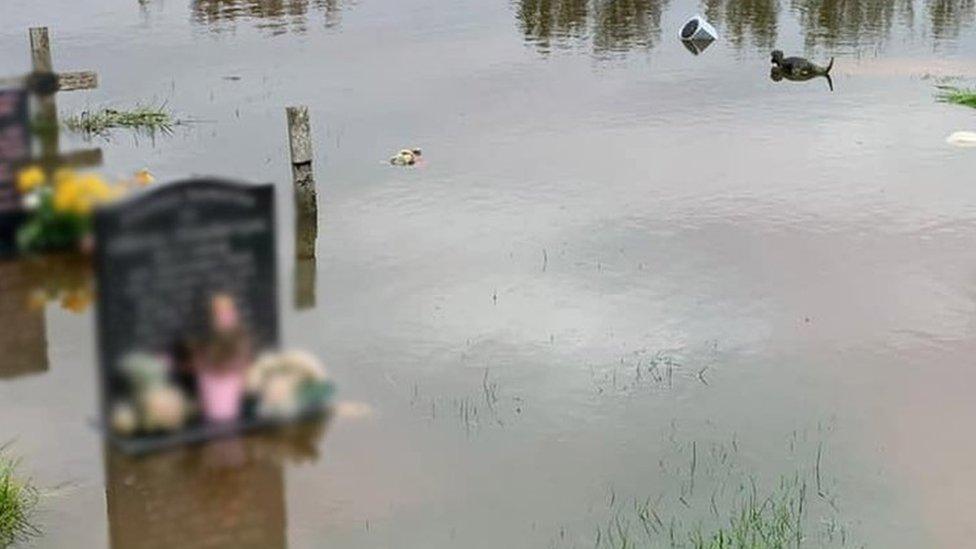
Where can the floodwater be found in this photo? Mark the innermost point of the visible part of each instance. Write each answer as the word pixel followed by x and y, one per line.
pixel 617 255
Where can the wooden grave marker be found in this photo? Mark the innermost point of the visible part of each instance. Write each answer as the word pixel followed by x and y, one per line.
pixel 21 121
pixel 306 205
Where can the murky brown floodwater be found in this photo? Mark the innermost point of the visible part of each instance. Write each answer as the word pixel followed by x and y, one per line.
pixel 618 253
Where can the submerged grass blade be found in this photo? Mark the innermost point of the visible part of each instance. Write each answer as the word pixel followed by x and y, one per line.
pixel 733 508
pixel 957 96
pixel 145 118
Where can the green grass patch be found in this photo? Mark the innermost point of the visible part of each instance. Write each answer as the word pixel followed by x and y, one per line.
pixel 752 520
pixel 957 96
pixel 18 499
pixel 775 520
pixel 708 498
pixel 145 118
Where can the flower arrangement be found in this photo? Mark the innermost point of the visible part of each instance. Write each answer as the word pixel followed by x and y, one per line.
pixel 60 209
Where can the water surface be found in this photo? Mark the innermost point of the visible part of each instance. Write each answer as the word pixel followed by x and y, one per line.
pixel 616 250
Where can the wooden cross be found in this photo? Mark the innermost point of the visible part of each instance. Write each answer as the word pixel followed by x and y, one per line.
pixel 18 279
pixel 43 83
pixel 41 64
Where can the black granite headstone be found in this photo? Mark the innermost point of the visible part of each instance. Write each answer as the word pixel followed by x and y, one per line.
pixel 161 255
pixel 15 141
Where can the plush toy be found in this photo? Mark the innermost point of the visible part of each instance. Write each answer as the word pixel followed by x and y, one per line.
pixel 155 403
pixel 287 384
pixel 406 157
pixel 125 418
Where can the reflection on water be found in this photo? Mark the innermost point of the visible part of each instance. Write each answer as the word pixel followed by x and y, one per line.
pixel 631 24
pixel 277 16
pixel 777 74
pixel 26 286
pixel 25 348
pixel 611 25
pixel 746 22
pixel 226 494
pixel 948 17
pixel 831 23
pixel 868 23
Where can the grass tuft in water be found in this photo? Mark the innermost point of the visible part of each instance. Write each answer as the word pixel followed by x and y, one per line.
pixel 146 118
pixel 772 521
pixel 957 96
pixel 18 499
pixel 708 500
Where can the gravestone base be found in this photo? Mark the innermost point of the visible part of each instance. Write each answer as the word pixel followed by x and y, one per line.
pixel 205 433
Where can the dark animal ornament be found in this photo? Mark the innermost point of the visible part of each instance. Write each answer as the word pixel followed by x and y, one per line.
pixel 798 69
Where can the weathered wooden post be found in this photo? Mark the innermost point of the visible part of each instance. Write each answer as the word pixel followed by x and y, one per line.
pixel 46 117
pixel 43 65
pixel 40 50
pixel 306 205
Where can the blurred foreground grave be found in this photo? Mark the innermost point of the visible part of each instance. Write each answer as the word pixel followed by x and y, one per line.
pixel 187 302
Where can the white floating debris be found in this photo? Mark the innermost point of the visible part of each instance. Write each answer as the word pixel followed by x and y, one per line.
pixel 406 157
pixel 962 139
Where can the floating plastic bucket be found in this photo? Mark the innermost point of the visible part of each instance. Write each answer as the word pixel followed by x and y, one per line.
pixel 697 30
pixel 696 46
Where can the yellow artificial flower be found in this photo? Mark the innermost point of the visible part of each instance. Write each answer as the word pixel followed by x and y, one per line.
pixel 83 205
pixel 78 194
pixel 29 179
pixel 143 177
pixel 66 194
pixel 63 175
pixel 94 187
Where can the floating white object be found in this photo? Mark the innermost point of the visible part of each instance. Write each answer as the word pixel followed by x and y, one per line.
pixel 962 139
pixel 697 29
